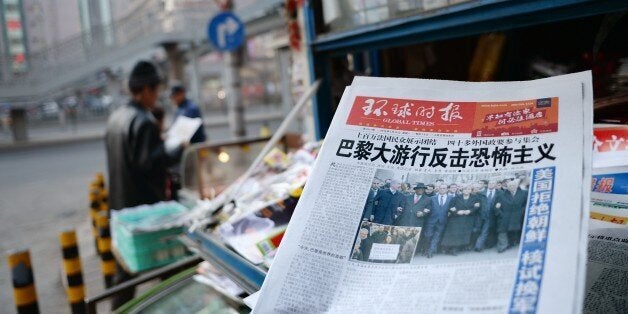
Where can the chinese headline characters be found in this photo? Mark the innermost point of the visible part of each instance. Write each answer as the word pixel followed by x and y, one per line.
pixel 445 157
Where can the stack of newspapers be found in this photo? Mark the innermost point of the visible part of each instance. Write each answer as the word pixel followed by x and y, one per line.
pixel 450 197
pixel 607 268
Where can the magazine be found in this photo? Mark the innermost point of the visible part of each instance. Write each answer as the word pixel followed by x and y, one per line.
pixel 438 196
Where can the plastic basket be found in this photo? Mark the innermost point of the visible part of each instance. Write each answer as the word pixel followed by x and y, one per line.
pixel 147 236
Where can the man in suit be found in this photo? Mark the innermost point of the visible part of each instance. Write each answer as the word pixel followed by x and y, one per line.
pixel 415 212
pixel 390 203
pixel 437 220
pixel 366 243
pixel 370 200
pixel 509 209
pixel 430 190
pixel 487 215
pixel 453 190
pixel 416 208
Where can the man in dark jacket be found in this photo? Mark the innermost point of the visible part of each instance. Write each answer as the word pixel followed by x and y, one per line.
pixel 370 200
pixel 435 225
pixel 136 157
pixel 187 108
pixel 416 208
pixel 489 196
pixel 389 202
pixel 509 209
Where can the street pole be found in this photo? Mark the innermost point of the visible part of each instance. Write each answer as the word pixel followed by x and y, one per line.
pixel 235 106
pixel 195 89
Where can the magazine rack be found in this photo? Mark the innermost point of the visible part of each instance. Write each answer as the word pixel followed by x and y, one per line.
pixel 467 18
pixel 388 44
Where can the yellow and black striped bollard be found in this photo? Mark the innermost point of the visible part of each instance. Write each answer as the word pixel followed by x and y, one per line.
pixel 24 291
pixel 73 271
pixel 104 200
pixel 95 207
pixel 108 265
pixel 100 180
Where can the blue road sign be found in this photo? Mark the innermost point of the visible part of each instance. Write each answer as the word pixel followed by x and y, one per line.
pixel 226 31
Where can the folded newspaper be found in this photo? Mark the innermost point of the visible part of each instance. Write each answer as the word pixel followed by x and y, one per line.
pixel 439 196
pixel 181 131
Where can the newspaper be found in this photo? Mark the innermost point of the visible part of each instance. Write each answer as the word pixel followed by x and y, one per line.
pixel 609 182
pixel 607 271
pixel 610 145
pixel 480 190
pixel 181 131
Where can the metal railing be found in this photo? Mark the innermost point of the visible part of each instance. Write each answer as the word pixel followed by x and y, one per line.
pixel 147 25
pixel 148 20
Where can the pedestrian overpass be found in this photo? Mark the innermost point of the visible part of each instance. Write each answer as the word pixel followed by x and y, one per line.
pixel 55 71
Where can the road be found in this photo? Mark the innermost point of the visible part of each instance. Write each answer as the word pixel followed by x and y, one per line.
pixel 43 191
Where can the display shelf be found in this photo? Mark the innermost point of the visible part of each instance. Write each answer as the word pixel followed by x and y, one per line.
pixel 464 19
pixel 461 20
pixel 247 275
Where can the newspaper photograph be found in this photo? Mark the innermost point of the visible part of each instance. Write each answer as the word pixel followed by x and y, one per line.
pixel 439 196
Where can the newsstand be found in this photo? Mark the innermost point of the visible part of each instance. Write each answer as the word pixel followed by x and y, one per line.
pixel 239 222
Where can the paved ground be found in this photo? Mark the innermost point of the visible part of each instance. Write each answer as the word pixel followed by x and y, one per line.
pixel 43 190
pixel 51 132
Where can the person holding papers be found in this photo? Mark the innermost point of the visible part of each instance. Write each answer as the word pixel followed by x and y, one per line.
pixel 187 108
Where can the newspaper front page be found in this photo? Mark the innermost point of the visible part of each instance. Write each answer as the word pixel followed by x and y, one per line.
pixel 439 196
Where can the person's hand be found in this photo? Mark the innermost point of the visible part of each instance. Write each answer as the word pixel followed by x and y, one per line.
pixel 468 212
pixel 498 205
pixel 372 217
pixel 453 209
pixel 427 211
pixel 419 214
pixel 400 209
pixel 476 205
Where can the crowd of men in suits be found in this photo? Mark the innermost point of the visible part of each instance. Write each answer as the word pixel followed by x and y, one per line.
pixel 473 216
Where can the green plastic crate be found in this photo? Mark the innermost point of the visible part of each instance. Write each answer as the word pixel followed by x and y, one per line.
pixel 147 236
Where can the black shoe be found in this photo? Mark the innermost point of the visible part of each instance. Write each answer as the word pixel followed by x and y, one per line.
pixel 501 250
pixel 477 250
pixel 429 255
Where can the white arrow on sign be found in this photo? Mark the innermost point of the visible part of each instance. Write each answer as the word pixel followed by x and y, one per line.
pixel 229 27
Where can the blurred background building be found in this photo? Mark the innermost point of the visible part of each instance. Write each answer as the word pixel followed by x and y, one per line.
pixel 63 57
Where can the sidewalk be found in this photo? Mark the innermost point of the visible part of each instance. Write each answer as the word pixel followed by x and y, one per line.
pixel 93 130
pixel 55 134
